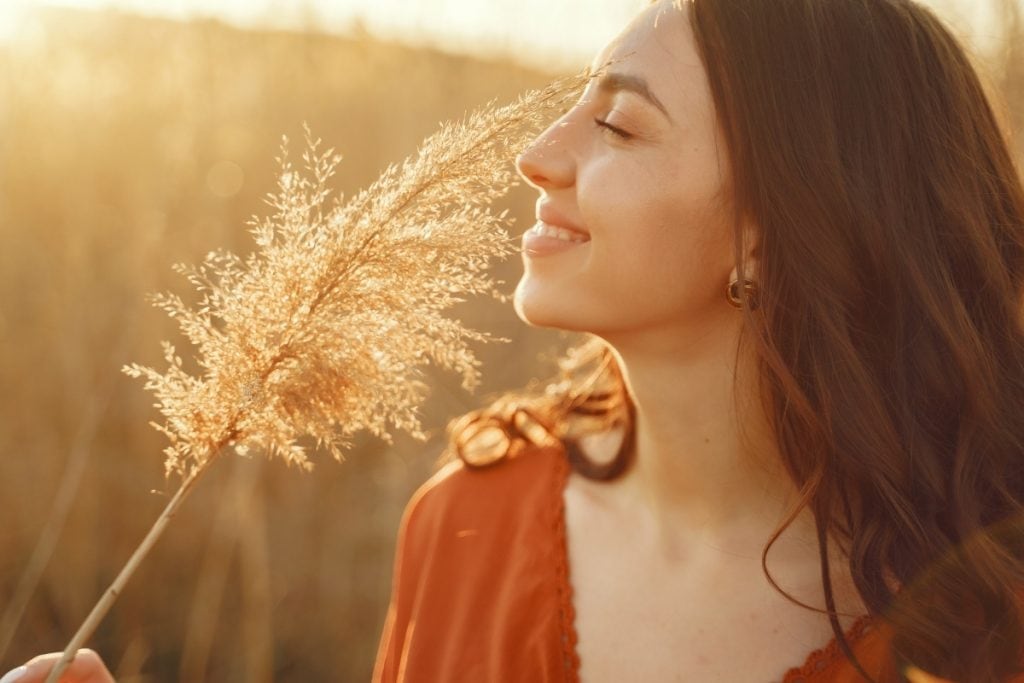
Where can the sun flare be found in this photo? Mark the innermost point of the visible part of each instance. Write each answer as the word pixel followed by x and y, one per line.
pixel 12 19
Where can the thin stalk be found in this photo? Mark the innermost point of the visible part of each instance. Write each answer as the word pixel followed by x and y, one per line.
pixel 103 606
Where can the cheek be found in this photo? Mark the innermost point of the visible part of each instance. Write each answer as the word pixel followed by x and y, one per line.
pixel 675 260
pixel 662 241
pixel 671 217
pixel 682 202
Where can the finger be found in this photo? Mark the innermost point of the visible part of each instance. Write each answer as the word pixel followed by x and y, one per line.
pixel 14 675
pixel 915 675
pixel 86 667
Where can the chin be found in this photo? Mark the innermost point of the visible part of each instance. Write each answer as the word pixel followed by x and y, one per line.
pixel 549 317
pixel 536 314
pixel 534 318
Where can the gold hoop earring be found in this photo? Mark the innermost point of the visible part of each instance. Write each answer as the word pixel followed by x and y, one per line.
pixel 733 295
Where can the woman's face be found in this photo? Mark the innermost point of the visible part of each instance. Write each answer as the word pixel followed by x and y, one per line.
pixel 649 193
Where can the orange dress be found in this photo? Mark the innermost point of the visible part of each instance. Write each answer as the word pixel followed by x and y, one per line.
pixel 481 589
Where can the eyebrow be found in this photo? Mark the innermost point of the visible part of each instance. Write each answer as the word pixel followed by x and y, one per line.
pixel 614 82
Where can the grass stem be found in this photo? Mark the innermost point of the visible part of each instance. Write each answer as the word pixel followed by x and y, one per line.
pixel 103 606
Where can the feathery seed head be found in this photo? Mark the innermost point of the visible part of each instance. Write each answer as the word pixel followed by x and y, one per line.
pixel 324 329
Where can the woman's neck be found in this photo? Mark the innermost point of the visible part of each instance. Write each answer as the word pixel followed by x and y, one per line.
pixel 701 469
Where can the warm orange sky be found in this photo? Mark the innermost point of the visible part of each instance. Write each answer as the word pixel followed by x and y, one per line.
pixel 556 32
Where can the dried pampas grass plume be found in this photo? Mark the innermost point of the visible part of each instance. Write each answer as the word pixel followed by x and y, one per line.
pixel 324 329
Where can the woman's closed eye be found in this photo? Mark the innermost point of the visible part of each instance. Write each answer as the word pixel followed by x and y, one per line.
pixel 614 130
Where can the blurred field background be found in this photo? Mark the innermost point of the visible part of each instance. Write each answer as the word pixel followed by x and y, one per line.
pixel 127 144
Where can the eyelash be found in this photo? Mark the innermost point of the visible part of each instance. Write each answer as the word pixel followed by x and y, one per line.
pixel 617 132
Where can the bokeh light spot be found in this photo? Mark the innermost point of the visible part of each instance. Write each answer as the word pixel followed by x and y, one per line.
pixel 225 179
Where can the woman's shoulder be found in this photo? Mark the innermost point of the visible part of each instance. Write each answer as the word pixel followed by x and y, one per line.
pixel 460 500
pixel 477 574
pixel 521 471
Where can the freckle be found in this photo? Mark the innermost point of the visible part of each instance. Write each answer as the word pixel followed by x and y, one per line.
pixel 707 440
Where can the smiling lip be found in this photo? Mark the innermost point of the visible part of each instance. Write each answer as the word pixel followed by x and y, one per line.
pixel 536 245
pixel 549 235
pixel 548 215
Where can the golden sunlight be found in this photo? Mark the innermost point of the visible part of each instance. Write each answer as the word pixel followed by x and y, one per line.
pixel 135 134
pixel 571 31
pixel 12 17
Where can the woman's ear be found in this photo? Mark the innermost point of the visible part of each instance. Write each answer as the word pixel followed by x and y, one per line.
pixel 751 252
pixel 751 248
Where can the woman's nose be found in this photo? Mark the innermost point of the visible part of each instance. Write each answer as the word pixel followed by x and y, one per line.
pixel 547 163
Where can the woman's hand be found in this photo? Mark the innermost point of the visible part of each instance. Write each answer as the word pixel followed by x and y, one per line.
pixel 87 667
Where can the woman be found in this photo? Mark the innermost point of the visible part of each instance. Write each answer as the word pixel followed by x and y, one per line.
pixel 795 235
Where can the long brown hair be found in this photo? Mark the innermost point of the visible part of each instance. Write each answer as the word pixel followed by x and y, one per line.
pixel 889 331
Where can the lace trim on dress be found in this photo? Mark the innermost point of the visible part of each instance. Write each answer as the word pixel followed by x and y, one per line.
pixel 567 612
pixel 819 660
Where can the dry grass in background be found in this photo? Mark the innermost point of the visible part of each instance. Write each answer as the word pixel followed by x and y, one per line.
pixel 127 145
pixel 136 144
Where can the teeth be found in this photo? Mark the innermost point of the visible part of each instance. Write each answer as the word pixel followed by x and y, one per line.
pixel 558 233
